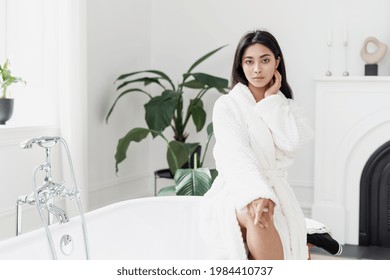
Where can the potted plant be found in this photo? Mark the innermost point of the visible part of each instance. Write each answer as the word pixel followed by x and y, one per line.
pixel 192 181
pixel 6 80
pixel 166 110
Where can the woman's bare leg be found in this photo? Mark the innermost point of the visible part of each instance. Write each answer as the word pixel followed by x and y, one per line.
pixel 263 243
pixel 309 246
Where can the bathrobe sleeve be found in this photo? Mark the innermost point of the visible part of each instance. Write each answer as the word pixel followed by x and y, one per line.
pixel 286 121
pixel 235 159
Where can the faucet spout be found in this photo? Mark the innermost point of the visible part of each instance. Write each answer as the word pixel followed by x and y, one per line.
pixel 60 214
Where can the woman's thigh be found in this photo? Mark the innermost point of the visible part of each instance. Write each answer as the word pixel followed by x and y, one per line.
pixel 263 243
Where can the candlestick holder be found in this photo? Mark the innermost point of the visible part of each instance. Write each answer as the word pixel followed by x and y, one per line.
pixel 345 73
pixel 329 44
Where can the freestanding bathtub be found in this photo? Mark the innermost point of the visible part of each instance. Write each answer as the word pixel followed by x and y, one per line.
pixel 143 229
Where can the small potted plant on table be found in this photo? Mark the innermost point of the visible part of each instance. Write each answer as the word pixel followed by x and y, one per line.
pixel 6 104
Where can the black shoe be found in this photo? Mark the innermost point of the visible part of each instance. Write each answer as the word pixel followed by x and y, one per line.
pixel 326 242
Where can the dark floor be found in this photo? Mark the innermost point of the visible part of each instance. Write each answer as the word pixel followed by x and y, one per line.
pixel 359 252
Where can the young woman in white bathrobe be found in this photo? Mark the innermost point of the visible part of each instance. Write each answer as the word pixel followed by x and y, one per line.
pixel 251 210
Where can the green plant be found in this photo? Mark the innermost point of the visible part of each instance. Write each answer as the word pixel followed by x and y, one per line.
pixel 7 79
pixel 192 181
pixel 167 110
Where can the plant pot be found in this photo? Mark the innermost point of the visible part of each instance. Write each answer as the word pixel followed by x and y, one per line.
pixel 6 109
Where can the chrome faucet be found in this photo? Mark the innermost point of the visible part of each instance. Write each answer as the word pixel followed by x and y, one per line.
pixel 44 195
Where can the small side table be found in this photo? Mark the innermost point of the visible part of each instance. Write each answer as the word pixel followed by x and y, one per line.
pixel 161 173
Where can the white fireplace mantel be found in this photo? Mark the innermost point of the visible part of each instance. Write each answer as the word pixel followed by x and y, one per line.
pixel 352 121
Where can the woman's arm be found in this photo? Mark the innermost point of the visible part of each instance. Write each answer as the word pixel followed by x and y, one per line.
pixel 235 159
pixel 286 121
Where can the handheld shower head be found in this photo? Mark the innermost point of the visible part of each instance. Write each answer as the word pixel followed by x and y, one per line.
pixel 43 141
pixel 28 143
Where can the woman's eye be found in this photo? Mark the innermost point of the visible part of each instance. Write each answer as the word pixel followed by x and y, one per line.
pixel 266 60
pixel 248 61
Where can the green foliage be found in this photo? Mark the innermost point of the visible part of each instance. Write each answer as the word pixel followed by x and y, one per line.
pixel 192 181
pixel 6 79
pixel 167 109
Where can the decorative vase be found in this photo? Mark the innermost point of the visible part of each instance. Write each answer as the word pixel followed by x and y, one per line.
pixel 6 109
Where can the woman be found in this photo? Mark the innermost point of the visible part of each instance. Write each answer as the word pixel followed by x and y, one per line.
pixel 251 210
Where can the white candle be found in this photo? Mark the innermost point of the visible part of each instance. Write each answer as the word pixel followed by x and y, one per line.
pixel 345 36
pixel 329 36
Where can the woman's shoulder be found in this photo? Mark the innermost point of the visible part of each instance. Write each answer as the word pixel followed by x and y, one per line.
pixel 224 101
pixel 227 99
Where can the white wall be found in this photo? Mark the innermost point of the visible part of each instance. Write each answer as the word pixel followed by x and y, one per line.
pixel 169 35
pixel 118 34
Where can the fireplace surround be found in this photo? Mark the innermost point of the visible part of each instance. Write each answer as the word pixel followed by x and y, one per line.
pixel 352 124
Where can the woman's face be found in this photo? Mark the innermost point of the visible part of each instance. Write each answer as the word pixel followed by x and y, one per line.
pixel 259 65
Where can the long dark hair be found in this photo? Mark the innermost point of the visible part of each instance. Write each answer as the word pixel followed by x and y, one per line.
pixel 267 39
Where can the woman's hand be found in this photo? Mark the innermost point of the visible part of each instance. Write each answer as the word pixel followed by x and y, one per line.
pixel 274 84
pixel 259 209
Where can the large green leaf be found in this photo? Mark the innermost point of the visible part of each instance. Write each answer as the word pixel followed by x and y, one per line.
pixel 203 58
pixel 179 153
pixel 159 111
pixel 135 135
pixel 195 109
pixel 210 129
pixel 192 181
pixel 145 80
pixel 194 84
pixel 121 95
pixel 161 74
pixel 167 191
pixel 210 81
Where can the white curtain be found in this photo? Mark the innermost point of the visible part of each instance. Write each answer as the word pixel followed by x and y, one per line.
pixel 73 90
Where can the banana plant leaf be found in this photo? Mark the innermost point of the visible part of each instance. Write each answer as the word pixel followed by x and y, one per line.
pixel 167 191
pixel 171 190
pixel 208 81
pixel 145 80
pixel 159 110
pixel 136 135
pixel 121 95
pixel 200 60
pixel 159 73
pixel 179 153
pixel 195 109
pixel 192 181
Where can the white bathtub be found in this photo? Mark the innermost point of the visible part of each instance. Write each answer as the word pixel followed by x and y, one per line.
pixel 143 229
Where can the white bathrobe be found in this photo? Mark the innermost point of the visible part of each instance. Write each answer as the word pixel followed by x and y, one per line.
pixel 255 143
